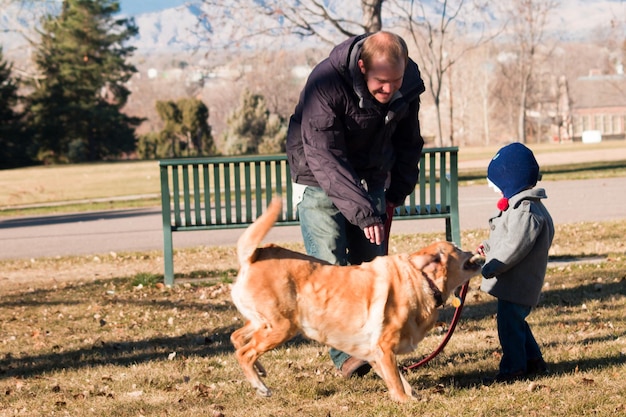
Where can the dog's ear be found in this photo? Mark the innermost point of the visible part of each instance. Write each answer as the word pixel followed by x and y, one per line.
pixel 421 260
pixel 428 263
pixel 444 254
pixel 436 265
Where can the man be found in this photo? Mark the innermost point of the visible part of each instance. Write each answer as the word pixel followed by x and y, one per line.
pixel 353 146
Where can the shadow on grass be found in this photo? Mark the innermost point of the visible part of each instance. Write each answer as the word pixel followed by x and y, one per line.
pixel 124 353
pixel 216 341
pixel 460 379
pixel 114 292
pixel 550 298
pixel 557 369
pixel 204 343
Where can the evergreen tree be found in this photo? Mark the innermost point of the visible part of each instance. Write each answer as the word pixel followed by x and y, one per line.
pixel 275 137
pixel 169 143
pixel 186 131
pixel 75 108
pixel 12 137
pixel 248 125
pixel 194 126
pixel 253 129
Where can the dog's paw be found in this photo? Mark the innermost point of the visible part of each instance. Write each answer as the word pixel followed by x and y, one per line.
pixel 264 392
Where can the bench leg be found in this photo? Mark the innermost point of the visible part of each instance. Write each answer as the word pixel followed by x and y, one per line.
pixel 453 230
pixel 168 258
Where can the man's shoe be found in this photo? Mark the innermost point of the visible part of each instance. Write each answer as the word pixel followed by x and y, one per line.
pixel 505 378
pixel 354 367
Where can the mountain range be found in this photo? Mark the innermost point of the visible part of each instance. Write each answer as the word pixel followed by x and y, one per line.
pixel 177 29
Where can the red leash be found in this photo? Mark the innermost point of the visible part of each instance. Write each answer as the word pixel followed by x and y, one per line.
pixel 453 323
pixel 457 312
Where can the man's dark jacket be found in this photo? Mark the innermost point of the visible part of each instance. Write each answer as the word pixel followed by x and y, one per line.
pixel 340 135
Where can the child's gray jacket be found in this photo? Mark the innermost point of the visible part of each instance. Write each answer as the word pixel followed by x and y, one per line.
pixel 517 249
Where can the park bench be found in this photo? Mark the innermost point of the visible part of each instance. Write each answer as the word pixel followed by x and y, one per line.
pixel 231 192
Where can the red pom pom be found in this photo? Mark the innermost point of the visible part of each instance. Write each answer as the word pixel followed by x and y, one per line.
pixel 503 204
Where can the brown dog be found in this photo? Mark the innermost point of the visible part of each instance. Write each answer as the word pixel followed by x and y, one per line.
pixel 371 311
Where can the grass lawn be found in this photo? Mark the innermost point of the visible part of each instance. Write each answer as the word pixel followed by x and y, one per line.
pixel 99 336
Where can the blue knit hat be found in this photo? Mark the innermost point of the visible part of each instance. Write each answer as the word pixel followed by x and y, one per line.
pixel 513 169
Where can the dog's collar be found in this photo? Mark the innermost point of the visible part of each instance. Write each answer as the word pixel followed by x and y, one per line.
pixel 437 295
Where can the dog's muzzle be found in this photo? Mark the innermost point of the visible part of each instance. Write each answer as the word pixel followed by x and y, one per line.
pixel 475 262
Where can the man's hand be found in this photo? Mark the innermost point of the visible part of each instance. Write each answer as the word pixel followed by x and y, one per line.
pixel 375 233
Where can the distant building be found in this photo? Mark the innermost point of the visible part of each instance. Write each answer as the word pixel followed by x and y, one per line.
pixel 550 117
pixel 599 104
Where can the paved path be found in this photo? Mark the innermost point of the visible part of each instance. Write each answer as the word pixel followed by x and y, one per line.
pixel 140 229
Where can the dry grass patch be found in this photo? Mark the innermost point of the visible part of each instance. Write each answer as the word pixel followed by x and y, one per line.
pixel 102 337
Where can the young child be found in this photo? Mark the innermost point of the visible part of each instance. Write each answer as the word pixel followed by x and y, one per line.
pixel 516 255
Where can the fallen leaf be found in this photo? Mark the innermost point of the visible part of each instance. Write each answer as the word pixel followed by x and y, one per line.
pixel 533 386
pixel 203 390
pixel 439 389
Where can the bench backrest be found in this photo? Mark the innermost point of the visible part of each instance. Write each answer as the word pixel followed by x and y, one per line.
pixel 231 192
pixel 227 192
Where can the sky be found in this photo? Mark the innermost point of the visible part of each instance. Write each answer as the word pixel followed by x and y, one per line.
pixel 134 7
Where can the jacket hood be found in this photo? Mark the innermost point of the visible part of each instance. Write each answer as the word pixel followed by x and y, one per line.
pixel 513 169
pixel 345 57
pixel 532 194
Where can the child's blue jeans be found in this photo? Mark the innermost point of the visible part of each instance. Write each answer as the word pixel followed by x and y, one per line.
pixel 329 236
pixel 518 343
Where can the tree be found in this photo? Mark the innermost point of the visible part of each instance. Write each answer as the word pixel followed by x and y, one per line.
pixel 253 129
pixel 442 36
pixel 194 126
pixel 13 145
pixel 528 21
pixel 76 104
pixel 313 17
pixel 275 135
pixel 186 132
pixel 442 32
pixel 329 20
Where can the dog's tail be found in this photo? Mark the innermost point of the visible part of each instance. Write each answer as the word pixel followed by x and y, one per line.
pixel 254 234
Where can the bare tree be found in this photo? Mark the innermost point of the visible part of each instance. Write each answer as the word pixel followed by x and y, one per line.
pixel 473 104
pixel 310 17
pixel 440 33
pixel 22 39
pixel 441 36
pixel 328 20
pixel 18 10
pixel 528 20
